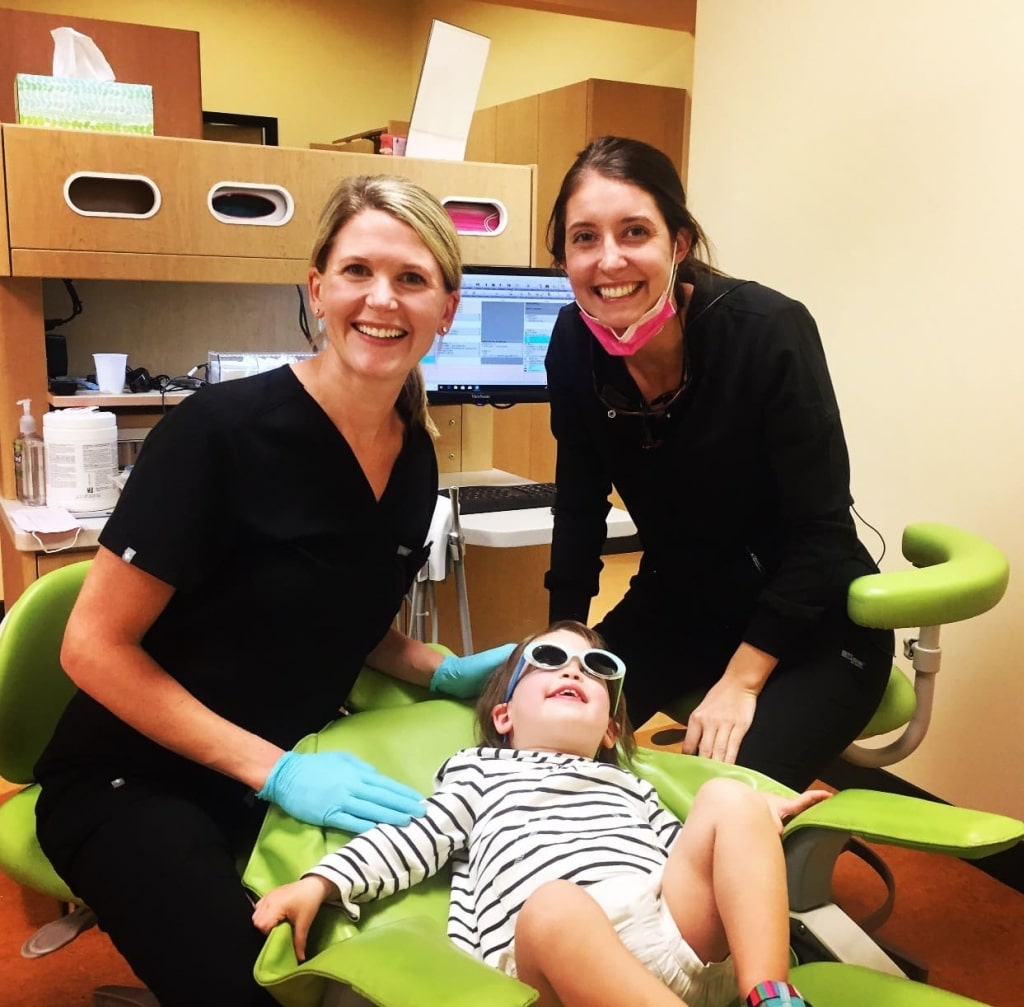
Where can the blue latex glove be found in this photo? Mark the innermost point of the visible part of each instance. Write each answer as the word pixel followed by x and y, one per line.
pixel 338 790
pixel 465 676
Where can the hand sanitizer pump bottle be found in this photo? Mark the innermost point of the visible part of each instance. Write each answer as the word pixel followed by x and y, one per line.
pixel 29 459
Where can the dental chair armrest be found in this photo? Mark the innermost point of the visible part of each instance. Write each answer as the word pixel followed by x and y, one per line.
pixel 408 961
pixel 959 575
pixel 896 820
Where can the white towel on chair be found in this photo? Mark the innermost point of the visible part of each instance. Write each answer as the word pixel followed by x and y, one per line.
pixel 436 566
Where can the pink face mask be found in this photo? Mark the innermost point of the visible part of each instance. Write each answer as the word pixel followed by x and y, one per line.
pixel 640 332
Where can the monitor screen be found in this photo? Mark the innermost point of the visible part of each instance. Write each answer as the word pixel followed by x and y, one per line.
pixel 494 351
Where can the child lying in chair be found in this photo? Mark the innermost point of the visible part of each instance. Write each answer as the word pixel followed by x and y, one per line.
pixel 566 871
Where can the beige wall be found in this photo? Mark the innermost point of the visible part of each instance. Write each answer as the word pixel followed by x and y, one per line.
pixel 328 68
pixel 533 51
pixel 866 158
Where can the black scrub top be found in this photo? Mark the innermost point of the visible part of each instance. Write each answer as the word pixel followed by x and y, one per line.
pixel 287 571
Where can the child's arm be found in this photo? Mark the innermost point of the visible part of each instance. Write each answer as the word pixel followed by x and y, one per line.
pixel 786 807
pixel 391 858
pixel 374 864
pixel 297 903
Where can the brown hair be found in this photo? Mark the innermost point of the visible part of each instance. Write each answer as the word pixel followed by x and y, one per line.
pixel 413 205
pixel 636 163
pixel 493 695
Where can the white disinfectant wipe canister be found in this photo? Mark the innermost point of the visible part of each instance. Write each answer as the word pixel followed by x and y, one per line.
pixel 81 459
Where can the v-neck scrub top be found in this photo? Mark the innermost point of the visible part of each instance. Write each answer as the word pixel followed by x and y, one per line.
pixel 287 571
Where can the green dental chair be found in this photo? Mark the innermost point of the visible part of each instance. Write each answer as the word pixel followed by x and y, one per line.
pixel 841 965
pixel 33 692
pixel 399 954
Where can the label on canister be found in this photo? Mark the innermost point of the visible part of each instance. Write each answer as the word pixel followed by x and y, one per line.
pixel 81 459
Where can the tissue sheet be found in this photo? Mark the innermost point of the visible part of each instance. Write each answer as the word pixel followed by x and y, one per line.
pixel 78 103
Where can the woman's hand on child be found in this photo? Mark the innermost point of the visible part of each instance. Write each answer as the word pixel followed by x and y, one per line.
pixel 464 677
pixel 339 791
pixel 784 808
pixel 297 903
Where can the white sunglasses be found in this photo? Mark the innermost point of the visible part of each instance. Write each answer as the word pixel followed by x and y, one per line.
pixel 600 664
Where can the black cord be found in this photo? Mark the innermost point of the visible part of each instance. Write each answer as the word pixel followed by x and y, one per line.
pixel 303 319
pixel 881 537
pixel 49 324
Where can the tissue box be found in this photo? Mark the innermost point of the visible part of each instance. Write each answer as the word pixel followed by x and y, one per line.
pixel 77 103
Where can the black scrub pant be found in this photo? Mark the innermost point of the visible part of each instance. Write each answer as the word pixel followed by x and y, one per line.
pixel 160 870
pixel 815 703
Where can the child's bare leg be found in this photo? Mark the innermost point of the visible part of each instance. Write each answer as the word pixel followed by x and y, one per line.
pixel 567 949
pixel 725 883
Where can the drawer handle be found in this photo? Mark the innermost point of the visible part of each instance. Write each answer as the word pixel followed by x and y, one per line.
pixel 105 194
pixel 250 203
pixel 487 217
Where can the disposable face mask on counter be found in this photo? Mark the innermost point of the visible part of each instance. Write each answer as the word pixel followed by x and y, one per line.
pixel 52 521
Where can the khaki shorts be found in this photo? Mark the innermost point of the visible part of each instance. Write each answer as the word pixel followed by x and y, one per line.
pixel 644 924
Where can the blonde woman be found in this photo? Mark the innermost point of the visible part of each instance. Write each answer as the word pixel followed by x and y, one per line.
pixel 255 561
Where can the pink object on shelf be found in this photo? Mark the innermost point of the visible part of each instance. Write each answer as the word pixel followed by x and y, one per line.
pixel 476 216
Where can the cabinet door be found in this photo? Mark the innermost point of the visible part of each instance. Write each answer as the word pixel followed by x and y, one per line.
pixel 480 143
pixel 654 114
pixel 515 140
pixel 562 132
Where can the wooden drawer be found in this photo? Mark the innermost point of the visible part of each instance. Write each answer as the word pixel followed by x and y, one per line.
pixel 48 237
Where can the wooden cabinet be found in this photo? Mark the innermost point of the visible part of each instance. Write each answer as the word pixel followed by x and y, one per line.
pixel 42 235
pixel 551 128
pixel 81 205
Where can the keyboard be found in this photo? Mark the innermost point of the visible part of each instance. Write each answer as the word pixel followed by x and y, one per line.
pixel 518 496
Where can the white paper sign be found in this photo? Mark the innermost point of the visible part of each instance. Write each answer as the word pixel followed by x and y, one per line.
pixel 453 68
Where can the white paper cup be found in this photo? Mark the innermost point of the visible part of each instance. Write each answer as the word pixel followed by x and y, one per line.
pixel 110 371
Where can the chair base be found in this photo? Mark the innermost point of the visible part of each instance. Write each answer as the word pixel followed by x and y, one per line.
pixel 53 936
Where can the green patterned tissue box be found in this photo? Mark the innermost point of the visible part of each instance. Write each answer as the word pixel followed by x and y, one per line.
pixel 77 103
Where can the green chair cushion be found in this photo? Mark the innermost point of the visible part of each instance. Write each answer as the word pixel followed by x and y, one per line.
pixel 960 576
pixel 896 708
pixel 20 856
pixel 911 822
pixel 832 984
pixel 33 687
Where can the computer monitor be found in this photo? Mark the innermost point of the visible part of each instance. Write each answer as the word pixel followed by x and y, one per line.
pixel 494 351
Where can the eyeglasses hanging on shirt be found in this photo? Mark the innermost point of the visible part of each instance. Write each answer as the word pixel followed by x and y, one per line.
pixel 650 414
pixel 658 409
